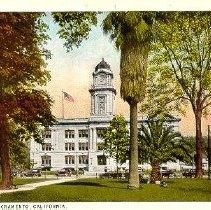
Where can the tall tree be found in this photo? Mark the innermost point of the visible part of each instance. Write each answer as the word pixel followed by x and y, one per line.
pixel 22 74
pixel 131 32
pixel 159 143
pixel 183 52
pixel 117 140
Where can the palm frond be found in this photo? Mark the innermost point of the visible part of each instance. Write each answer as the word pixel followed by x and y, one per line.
pixel 159 142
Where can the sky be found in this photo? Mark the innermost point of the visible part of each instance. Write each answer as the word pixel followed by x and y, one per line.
pixel 72 72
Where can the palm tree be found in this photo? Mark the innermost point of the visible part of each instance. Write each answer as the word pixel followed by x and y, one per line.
pixel 131 32
pixel 159 143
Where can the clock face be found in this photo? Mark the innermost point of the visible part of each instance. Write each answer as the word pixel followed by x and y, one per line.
pixel 101 79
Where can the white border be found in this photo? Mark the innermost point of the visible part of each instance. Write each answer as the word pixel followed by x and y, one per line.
pixel 113 5
pixel 105 205
pixel 104 5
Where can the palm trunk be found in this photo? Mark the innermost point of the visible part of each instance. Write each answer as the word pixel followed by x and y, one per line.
pixel 133 163
pixel 133 73
pixel 155 174
pixel 4 154
pixel 199 145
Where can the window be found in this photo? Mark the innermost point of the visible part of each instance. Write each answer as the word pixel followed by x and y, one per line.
pixel 46 160
pixel 83 146
pixel 83 159
pixel 69 159
pixel 46 147
pixel 69 146
pixel 83 133
pixel 101 105
pixel 101 160
pixel 47 134
pixel 69 134
pixel 100 146
pixel 101 132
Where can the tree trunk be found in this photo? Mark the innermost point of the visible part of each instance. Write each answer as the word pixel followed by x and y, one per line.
pixel 4 154
pixel 155 174
pixel 133 162
pixel 199 145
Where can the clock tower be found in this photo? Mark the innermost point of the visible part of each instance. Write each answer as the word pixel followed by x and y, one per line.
pixel 102 92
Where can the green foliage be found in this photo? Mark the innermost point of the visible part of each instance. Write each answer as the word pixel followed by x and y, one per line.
pixel 131 32
pixel 192 142
pixel 181 53
pixel 19 155
pixel 74 26
pixel 162 96
pixel 129 26
pixel 159 143
pixel 117 139
pixel 182 57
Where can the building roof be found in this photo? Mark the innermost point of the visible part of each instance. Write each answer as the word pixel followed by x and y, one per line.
pixel 100 120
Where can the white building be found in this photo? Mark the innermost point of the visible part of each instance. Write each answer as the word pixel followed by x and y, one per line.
pixel 75 142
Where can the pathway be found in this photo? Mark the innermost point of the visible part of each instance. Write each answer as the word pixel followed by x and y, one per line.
pixel 32 186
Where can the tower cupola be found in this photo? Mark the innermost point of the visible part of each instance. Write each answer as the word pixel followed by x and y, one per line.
pixel 102 91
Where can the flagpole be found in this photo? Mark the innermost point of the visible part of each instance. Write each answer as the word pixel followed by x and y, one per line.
pixel 62 104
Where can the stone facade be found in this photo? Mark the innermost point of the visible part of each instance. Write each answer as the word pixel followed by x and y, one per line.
pixel 75 143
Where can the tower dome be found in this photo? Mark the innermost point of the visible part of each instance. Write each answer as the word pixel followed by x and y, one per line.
pixel 102 65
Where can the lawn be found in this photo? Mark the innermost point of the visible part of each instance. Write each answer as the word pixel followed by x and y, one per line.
pixel 21 181
pixel 115 190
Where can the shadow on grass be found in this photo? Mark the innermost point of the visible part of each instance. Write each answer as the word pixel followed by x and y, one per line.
pixel 94 184
pixel 121 181
pixel 90 184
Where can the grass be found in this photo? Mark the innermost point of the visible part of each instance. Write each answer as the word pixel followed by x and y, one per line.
pixel 27 180
pixel 102 190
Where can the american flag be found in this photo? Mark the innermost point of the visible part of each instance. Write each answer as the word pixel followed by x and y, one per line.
pixel 68 97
